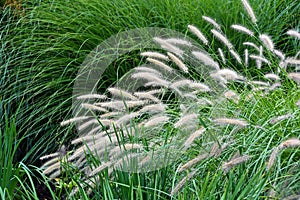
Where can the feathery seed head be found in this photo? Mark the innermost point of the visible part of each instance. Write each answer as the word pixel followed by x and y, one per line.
pixel 228 74
pixel 274 86
pixel 75 119
pixel 100 168
pixel 212 21
pixel 198 33
pixel 228 165
pixel 236 56
pixel 222 55
pixel 151 78
pixel 295 76
pixel 260 58
pixel 272 158
pixel 121 105
pixel 222 38
pixel 249 11
pixel 146 95
pixel 160 64
pixel 92 96
pixel 121 93
pixel 93 107
pixel 206 59
pixel 200 86
pixel 246 57
pixel 232 95
pixel 251 45
pixel 155 55
pixel 290 143
pixel 272 76
pixel 261 83
pixel 126 118
pixel 242 29
pixel 155 121
pixel 279 54
pixel 178 62
pixel 181 83
pixel 178 41
pixel 147 69
pixel 281 118
pixel 294 33
pixel 293 142
pixel 192 162
pixel 152 108
pixel 182 182
pixel 169 47
pixel 231 121
pixel 186 120
pixel 267 41
pixel 189 141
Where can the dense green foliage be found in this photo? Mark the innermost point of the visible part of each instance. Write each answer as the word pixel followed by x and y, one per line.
pixel 41 50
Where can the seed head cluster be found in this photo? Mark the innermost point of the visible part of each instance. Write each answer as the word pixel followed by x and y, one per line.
pixel 117 123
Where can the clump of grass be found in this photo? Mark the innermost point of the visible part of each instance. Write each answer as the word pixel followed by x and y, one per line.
pixel 40 54
pixel 16 179
pixel 43 49
pixel 9 171
pixel 193 95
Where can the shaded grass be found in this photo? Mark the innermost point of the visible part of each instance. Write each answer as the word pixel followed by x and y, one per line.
pixel 8 169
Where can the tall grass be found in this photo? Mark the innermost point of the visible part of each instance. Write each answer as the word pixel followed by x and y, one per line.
pixel 16 179
pixel 42 51
pixel 9 170
pixel 253 179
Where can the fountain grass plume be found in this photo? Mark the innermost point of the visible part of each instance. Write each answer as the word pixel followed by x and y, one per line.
pixel 148 110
